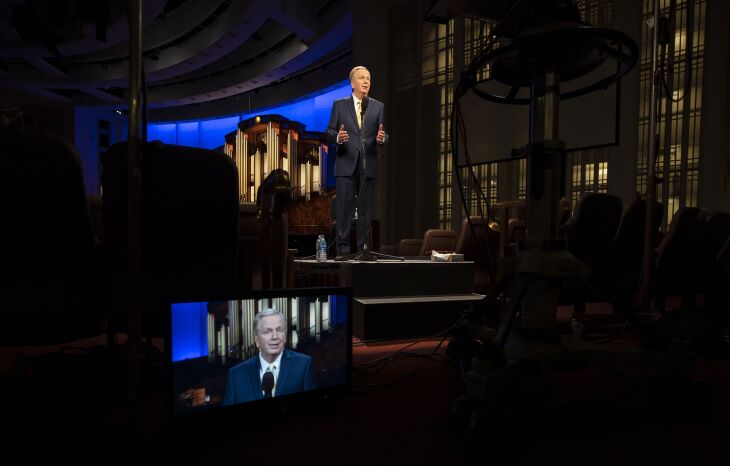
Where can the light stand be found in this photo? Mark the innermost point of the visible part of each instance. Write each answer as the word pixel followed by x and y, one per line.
pixel 651 181
pixel 540 46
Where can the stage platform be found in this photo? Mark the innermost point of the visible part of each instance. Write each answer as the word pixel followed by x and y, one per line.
pixel 397 299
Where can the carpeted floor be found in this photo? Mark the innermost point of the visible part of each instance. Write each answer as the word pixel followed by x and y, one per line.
pixel 407 406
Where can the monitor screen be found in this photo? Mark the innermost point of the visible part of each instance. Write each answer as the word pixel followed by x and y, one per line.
pixel 261 348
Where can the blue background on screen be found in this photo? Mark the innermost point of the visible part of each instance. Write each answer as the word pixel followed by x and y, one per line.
pixel 189 335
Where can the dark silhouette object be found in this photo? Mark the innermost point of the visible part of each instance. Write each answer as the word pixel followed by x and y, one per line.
pixel 274 193
pixel 273 198
pixel 189 225
pixel 49 271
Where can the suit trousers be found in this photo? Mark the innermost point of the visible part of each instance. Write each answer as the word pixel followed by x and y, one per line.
pixel 353 192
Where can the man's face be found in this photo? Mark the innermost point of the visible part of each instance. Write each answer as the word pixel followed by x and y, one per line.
pixel 361 82
pixel 271 337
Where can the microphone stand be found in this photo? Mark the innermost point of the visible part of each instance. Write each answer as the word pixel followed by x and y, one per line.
pixel 365 255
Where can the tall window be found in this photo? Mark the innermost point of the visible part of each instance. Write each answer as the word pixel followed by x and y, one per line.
pixel 476 35
pixel 442 74
pixel 588 172
pixel 486 176
pixel 596 12
pixel 588 169
pixel 680 107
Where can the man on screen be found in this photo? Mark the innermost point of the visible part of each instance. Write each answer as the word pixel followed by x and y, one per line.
pixel 356 126
pixel 275 371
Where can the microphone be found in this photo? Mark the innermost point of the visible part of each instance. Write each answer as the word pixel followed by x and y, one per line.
pixel 363 107
pixel 267 383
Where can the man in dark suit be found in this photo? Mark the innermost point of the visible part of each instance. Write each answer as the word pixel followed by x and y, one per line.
pixel 275 371
pixel 356 127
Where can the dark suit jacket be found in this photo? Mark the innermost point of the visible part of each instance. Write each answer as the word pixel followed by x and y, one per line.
pixel 244 382
pixel 346 158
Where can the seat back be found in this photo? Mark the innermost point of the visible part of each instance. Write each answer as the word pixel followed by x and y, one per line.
pixel 627 253
pixel 189 222
pixel 627 247
pixel 680 245
pixel 680 258
pixel 437 240
pixel 409 247
pixel 718 232
pixel 723 257
pixel 590 232
pixel 479 246
pixel 48 279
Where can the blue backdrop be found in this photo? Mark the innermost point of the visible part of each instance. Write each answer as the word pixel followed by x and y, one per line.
pixel 313 112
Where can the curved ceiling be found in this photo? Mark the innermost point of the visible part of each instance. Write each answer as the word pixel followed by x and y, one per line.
pixel 194 51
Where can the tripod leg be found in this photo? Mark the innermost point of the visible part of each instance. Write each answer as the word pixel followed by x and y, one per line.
pixel 521 283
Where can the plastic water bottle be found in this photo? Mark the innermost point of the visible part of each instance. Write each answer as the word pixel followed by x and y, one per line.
pixel 321 249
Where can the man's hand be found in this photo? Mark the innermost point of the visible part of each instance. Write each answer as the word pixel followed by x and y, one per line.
pixel 381 134
pixel 342 136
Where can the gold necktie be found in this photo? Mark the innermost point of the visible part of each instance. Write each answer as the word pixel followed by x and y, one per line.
pixel 359 114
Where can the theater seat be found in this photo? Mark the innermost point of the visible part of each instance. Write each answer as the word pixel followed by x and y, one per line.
pixel 680 259
pixel 591 230
pixel 589 234
pixel 409 247
pixel 189 225
pixel 717 297
pixel 718 231
pixel 627 253
pixel 723 257
pixel 437 240
pixel 49 273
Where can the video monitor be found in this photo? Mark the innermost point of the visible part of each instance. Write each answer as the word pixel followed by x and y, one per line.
pixel 224 358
